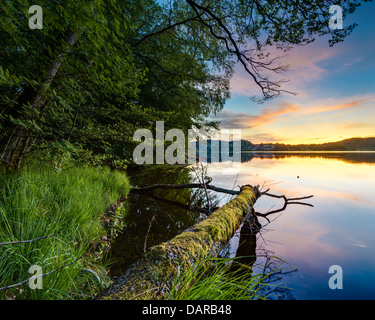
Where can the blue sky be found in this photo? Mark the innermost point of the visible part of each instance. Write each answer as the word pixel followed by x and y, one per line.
pixel 335 92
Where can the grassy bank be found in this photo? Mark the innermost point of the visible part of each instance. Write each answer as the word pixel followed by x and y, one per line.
pixel 68 204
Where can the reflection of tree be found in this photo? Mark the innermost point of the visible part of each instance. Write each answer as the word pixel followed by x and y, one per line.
pixel 273 287
pixel 350 157
pixel 268 268
pixel 160 211
pixel 261 264
pixel 167 217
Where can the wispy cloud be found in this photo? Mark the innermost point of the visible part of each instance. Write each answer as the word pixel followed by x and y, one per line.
pixel 262 137
pixel 327 107
pixel 230 119
pixel 354 61
pixel 326 120
pixel 335 93
pixel 305 66
pixel 269 115
pixel 357 124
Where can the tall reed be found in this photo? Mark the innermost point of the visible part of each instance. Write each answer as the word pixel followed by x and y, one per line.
pixel 227 279
pixel 67 204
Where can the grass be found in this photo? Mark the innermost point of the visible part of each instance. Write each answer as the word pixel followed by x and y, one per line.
pixel 226 279
pixel 40 201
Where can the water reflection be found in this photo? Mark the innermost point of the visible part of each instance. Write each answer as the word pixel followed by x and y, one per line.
pixel 338 230
pixel 350 157
pixel 252 260
pixel 152 220
pixel 246 251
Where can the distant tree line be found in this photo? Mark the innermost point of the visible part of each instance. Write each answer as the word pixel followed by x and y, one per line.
pixel 353 144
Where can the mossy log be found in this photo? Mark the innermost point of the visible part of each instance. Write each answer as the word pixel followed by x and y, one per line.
pixel 152 275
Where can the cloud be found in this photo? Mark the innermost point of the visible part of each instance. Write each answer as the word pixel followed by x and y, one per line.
pixel 269 115
pixel 328 108
pixel 354 61
pixel 264 137
pixel 358 124
pixel 333 118
pixel 230 119
pixel 242 120
pixel 317 138
pixel 305 66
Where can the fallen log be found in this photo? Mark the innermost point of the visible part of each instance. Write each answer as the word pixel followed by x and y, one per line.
pixel 152 275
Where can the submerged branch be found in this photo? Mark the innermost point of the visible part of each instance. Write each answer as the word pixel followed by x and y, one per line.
pixel 194 208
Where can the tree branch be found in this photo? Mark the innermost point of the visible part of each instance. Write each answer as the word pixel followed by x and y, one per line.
pixel 26 241
pixel 183 186
pixel 47 273
pixel 269 88
pixel 286 202
pixel 149 190
pixel 169 27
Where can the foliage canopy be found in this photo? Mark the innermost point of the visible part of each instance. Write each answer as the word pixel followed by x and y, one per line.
pixel 98 70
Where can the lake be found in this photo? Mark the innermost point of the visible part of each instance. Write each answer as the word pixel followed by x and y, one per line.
pixel 338 230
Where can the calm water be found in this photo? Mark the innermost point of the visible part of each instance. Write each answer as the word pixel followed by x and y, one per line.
pixel 338 230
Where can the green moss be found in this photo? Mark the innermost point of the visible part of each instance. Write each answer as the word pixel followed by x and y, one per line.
pixel 150 277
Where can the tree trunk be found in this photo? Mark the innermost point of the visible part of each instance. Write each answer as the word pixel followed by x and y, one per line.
pixel 15 144
pixel 152 275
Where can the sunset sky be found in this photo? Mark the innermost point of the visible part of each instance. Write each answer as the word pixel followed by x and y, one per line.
pixel 335 89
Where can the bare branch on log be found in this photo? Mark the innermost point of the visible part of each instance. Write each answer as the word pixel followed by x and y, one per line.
pixel 286 202
pixel 207 186
pixel 151 275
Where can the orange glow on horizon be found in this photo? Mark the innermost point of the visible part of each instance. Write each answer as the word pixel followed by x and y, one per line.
pixel 317 141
